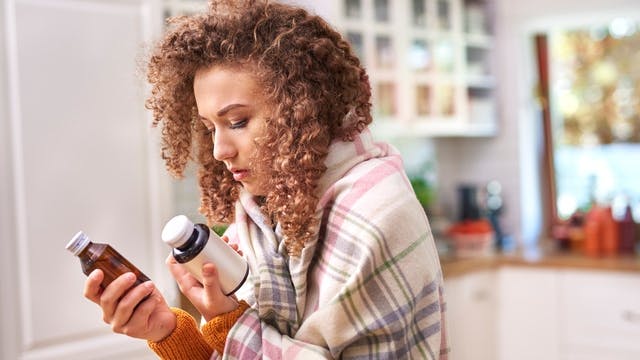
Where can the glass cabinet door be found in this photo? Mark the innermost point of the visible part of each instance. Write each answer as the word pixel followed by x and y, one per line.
pixel 385 55
pixel 443 10
pixel 352 9
pixel 428 61
pixel 419 13
pixel 385 99
pixel 420 56
pixel 381 10
pixel 356 40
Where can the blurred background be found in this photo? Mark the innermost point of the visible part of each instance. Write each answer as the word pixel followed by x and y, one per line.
pixel 519 124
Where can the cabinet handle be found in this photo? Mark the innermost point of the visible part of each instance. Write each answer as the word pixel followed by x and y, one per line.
pixel 631 316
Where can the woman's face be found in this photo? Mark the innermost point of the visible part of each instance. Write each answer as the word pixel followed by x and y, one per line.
pixel 231 106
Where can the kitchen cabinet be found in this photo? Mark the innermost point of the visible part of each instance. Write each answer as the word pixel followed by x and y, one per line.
pixel 429 61
pixel 551 313
pixel 179 7
pixel 528 313
pixel 471 313
pixel 601 315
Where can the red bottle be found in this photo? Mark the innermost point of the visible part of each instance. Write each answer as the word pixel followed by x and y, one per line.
pixel 610 233
pixel 627 229
pixel 593 232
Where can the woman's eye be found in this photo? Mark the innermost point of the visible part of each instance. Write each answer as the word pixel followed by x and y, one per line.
pixel 239 124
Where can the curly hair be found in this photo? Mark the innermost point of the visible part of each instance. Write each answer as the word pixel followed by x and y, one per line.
pixel 310 76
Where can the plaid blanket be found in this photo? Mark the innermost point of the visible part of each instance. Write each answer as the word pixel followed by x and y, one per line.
pixel 370 284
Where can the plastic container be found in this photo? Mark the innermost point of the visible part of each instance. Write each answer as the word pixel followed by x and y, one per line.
pixel 195 244
pixel 472 238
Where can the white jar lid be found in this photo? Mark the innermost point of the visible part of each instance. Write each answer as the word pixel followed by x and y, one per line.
pixel 177 231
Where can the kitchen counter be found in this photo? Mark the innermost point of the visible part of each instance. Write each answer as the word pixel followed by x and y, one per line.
pixel 452 266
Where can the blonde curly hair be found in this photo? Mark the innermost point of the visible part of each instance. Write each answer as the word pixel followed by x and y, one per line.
pixel 309 74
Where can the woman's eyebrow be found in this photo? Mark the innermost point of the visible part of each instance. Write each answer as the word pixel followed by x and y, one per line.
pixel 228 108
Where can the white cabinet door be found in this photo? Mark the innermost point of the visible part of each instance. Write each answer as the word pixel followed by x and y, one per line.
pixel 80 159
pixel 602 315
pixel 471 316
pixel 528 321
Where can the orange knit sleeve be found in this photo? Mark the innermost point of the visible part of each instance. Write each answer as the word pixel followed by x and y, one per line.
pixel 185 342
pixel 215 331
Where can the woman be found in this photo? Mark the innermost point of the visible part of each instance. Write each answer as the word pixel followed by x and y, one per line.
pixel 274 105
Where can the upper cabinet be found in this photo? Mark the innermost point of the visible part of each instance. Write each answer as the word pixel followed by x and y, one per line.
pixel 182 7
pixel 429 61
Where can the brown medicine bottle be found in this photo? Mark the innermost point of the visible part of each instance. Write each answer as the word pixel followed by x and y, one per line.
pixel 102 256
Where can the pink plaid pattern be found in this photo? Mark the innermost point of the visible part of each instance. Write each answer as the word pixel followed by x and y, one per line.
pixel 370 284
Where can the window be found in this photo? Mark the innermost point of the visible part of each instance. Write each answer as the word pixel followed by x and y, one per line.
pixel 593 123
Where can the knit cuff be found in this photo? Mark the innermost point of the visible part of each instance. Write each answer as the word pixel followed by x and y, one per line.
pixel 216 330
pixel 185 342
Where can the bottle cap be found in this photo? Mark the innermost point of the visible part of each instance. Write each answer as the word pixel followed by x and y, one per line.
pixel 78 243
pixel 177 231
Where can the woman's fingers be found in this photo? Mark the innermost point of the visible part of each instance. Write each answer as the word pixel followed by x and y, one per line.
pixel 207 297
pixel 138 311
pixel 215 301
pixel 233 246
pixel 210 280
pixel 113 293
pixel 139 320
pixel 92 289
pixel 129 305
pixel 185 280
pixel 236 248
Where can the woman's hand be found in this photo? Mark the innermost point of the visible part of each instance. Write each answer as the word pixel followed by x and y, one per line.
pixel 208 297
pixel 233 246
pixel 140 312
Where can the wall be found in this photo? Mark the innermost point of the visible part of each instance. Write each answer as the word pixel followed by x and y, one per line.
pixel 9 326
pixel 76 153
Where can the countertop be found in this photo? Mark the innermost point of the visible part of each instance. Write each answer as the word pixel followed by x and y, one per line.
pixel 452 266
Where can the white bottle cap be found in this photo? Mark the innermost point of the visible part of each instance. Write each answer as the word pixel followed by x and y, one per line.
pixel 177 231
pixel 78 243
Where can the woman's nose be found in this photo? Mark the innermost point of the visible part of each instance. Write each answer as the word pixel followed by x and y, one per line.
pixel 223 148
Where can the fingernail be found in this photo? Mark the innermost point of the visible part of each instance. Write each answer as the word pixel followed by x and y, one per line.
pixel 208 270
pixel 149 285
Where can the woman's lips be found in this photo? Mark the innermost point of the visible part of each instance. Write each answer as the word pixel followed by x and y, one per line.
pixel 239 175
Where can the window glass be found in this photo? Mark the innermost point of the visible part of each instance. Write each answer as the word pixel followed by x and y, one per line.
pixel 381 8
pixel 386 99
pixel 423 100
pixel 595 116
pixel 384 52
pixel 419 55
pixel 352 9
pixel 419 13
pixel 357 42
pixel 443 55
pixel 444 101
pixel 444 16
